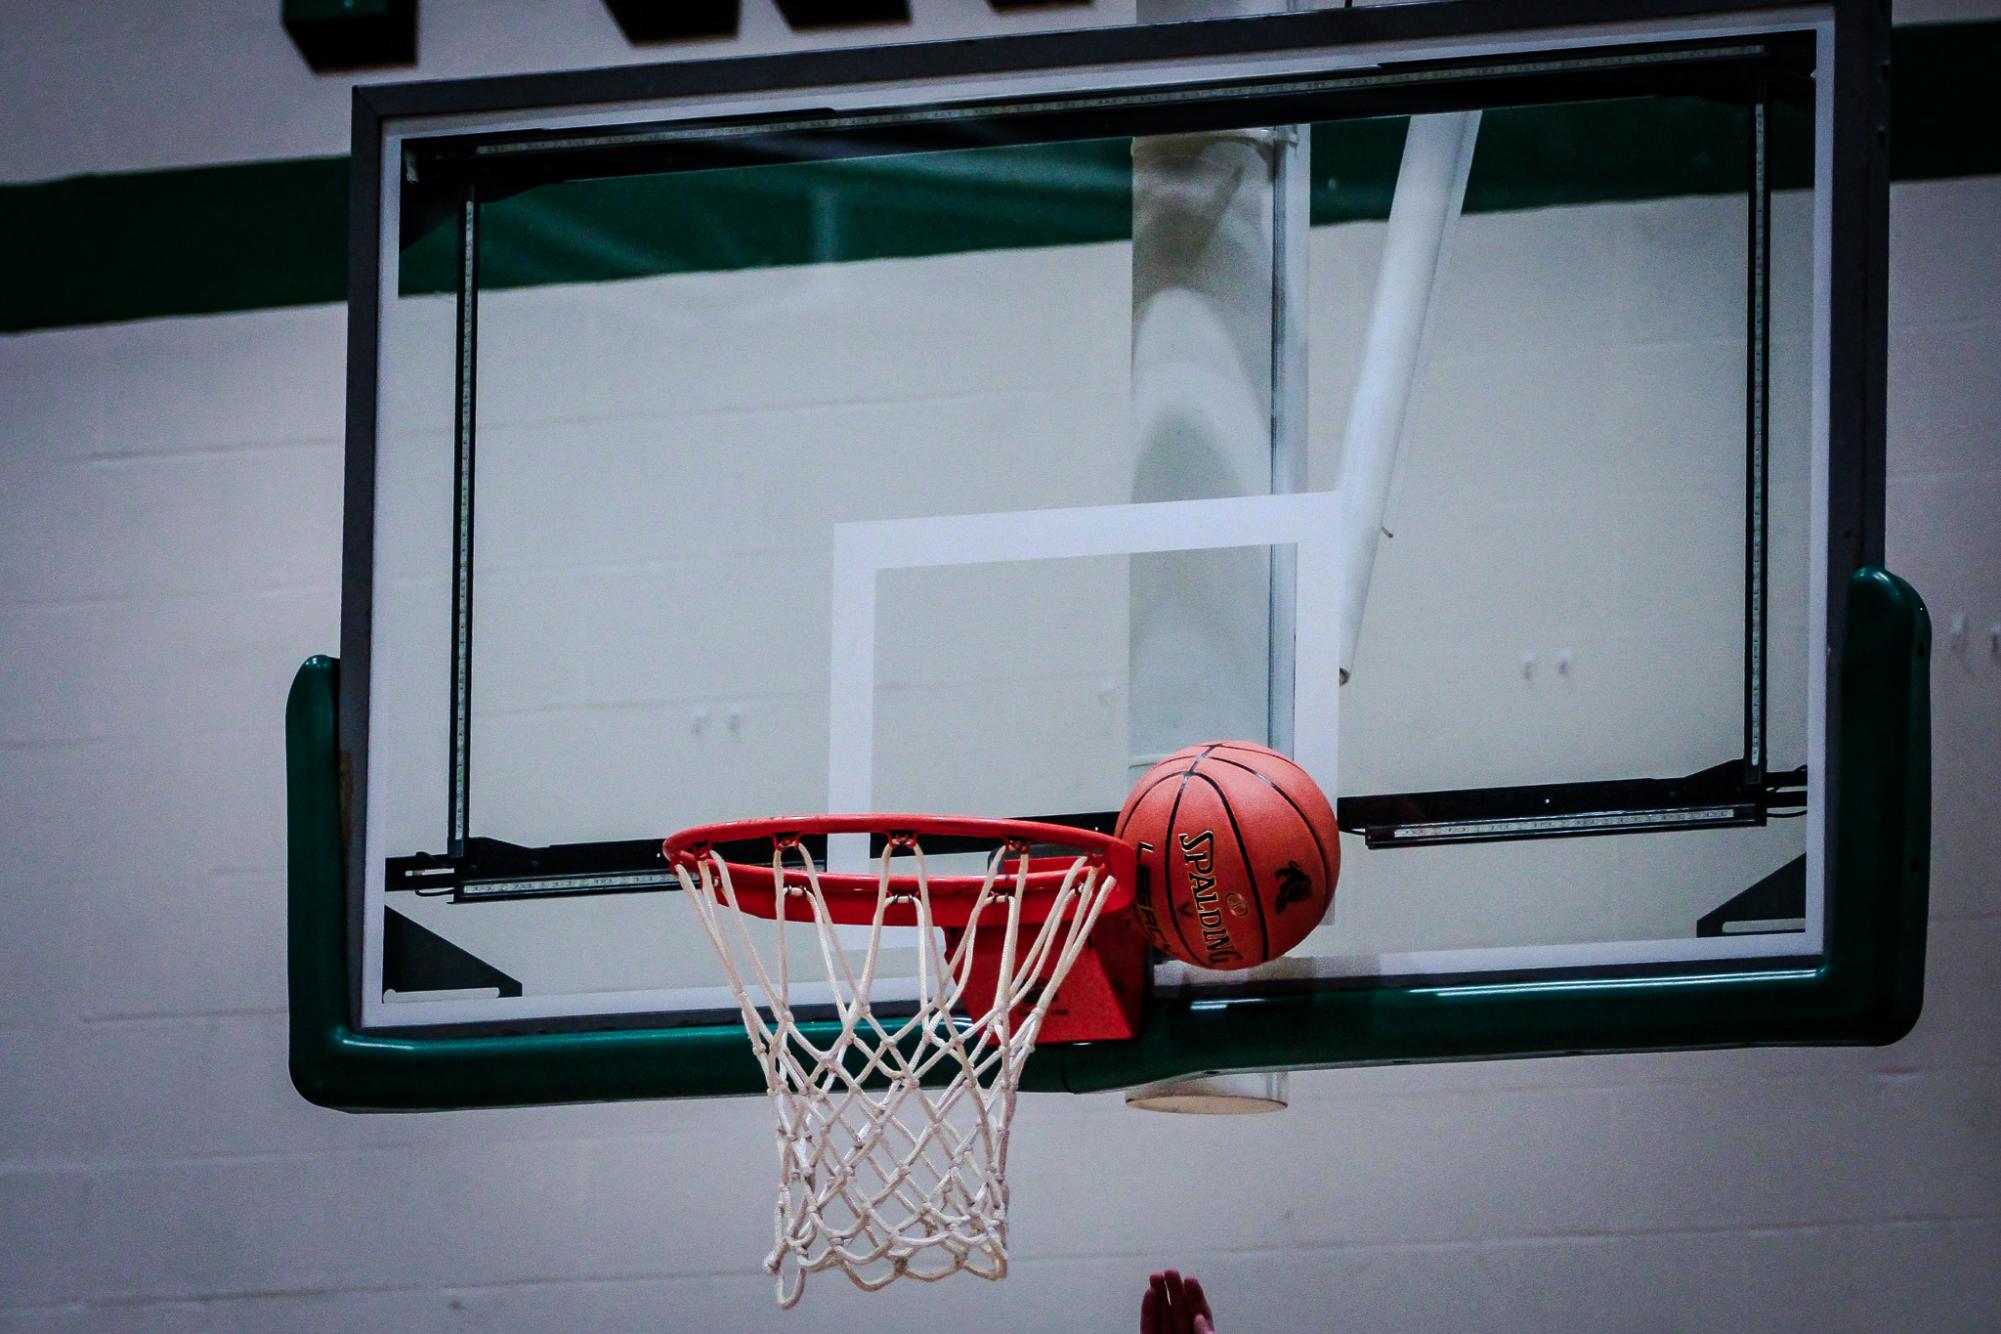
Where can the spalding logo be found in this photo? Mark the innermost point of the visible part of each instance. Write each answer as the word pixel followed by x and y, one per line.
pixel 1199 865
pixel 1294 886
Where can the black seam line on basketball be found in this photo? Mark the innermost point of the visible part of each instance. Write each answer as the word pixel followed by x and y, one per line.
pixel 1166 854
pixel 1264 752
pixel 1133 801
pixel 1250 873
pixel 1326 867
pixel 1253 748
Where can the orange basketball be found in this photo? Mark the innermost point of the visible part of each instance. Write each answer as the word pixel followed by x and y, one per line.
pixel 1238 854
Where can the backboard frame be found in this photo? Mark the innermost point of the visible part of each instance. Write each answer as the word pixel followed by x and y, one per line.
pixel 1863 988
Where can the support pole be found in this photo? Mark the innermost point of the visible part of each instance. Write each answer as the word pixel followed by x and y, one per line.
pixel 1431 189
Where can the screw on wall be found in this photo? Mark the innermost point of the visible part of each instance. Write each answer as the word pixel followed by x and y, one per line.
pixel 1955 635
pixel 1563 663
pixel 1528 666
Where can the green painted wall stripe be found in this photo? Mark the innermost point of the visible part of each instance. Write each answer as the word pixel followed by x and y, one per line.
pixel 96 249
pixel 1063 194
pixel 93 249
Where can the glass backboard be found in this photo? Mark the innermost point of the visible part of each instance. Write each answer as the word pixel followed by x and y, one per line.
pixel 1460 416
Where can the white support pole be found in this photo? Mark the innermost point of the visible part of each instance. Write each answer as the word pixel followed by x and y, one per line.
pixel 1219 409
pixel 1203 380
pixel 1431 190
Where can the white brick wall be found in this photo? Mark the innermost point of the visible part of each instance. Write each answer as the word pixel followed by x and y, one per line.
pixel 169 530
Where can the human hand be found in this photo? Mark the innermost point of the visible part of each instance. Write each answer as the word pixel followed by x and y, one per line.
pixel 1175 1305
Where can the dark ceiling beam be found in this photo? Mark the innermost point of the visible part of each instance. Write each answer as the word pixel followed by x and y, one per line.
pixel 645 21
pixel 337 35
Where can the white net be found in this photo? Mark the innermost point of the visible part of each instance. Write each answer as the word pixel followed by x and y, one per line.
pixel 892 1133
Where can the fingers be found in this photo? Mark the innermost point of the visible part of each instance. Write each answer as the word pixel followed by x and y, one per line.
pixel 1153 1307
pixel 1179 1319
pixel 1198 1300
pixel 1173 1304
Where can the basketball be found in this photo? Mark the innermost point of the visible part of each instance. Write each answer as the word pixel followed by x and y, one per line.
pixel 1238 854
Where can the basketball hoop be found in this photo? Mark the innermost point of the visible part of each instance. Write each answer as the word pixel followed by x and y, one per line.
pixel 892 1128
